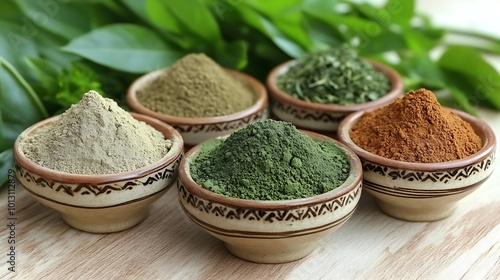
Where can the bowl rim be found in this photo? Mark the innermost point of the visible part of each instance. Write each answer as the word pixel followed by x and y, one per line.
pixel 353 180
pixel 280 95
pixel 257 88
pixel 480 127
pixel 64 177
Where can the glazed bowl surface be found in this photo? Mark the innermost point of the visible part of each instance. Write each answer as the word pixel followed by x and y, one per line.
pixel 323 118
pixel 423 191
pixel 100 203
pixel 197 130
pixel 269 231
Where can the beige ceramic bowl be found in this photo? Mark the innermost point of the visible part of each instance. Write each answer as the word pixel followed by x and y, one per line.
pixel 101 203
pixel 197 130
pixel 323 117
pixel 423 191
pixel 269 231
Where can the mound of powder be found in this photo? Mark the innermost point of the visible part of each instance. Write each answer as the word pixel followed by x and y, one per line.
pixel 95 136
pixel 195 87
pixel 270 160
pixel 416 128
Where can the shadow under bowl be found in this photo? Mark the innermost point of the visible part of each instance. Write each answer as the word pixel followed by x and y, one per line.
pixel 197 130
pixel 324 118
pixel 100 203
pixel 423 192
pixel 269 231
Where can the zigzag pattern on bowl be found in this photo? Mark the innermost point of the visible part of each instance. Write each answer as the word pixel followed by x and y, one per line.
pixel 269 235
pixel 270 216
pixel 107 188
pixel 444 177
pixel 413 193
pixel 218 127
pixel 303 114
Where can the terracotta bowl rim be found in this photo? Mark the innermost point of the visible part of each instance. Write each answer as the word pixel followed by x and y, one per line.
pixel 280 95
pixel 479 126
pixel 354 179
pixel 259 105
pixel 63 177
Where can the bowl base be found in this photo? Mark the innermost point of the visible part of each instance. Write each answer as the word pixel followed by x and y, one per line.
pixel 270 254
pixel 107 219
pixel 416 214
pixel 105 224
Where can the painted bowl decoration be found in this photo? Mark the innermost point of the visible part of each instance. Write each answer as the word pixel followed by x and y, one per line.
pixel 423 191
pixel 269 231
pixel 323 117
pixel 197 130
pixel 101 203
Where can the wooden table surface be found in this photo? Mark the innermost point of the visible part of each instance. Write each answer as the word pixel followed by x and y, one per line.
pixel 167 245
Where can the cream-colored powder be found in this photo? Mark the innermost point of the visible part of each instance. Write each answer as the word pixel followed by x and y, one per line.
pixel 95 136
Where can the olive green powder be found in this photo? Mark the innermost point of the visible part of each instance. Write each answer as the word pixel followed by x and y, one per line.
pixel 196 87
pixel 334 76
pixel 95 136
pixel 270 160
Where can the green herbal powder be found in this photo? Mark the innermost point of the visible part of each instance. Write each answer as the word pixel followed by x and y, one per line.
pixel 270 160
pixel 334 76
pixel 196 87
pixel 95 136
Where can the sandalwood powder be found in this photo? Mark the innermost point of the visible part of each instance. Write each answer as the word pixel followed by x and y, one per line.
pixel 95 136
pixel 416 128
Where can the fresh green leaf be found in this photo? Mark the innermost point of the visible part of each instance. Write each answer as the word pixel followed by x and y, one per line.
pixel 19 105
pixel 475 70
pixel 348 27
pixel 423 24
pixel 173 37
pixel 49 47
pixel 371 38
pixel 460 89
pixel 420 65
pixel 187 16
pixel 65 20
pixel 325 6
pixel 418 42
pixel 138 8
pixel 399 12
pixel 125 47
pixel 160 14
pixel 10 12
pixel 385 41
pixel 323 36
pixel 232 55
pixel 6 163
pixel 273 8
pixel 267 27
pixel 109 7
pixel 14 44
pixel 46 71
pixel 287 16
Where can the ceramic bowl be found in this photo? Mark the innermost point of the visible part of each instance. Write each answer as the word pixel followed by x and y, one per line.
pixel 197 130
pixel 269 231
pixel 323 117
pixel 423 191
pixel 101 203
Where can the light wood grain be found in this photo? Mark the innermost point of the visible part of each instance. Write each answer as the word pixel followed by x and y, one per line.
pixel 167 245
